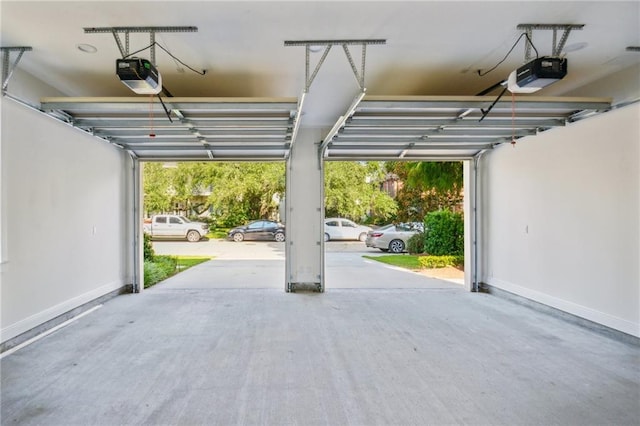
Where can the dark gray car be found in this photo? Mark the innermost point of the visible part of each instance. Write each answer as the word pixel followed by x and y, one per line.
pixel 262 229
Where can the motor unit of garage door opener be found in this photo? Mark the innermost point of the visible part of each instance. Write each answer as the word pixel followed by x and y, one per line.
pixel 537 74
pixel 139 75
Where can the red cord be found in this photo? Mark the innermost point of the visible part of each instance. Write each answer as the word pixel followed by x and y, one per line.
pixel 151 134
pixel 513 119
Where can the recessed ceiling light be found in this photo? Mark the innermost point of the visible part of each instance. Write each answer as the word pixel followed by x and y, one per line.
pixel 86 48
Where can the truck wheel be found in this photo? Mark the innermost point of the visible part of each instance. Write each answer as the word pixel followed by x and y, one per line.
pixel 193 236
pixel 238 237
pixel 279 237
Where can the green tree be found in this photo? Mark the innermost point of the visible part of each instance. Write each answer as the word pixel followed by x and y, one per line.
pixel 157 182
pixel 244 191
pixel 189 182
pixel 443 177
pixel 428 186
pixel 352 190
pixel 238 192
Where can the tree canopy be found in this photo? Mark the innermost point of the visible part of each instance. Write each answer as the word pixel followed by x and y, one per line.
pixel 427 187
pixel 353 190
pixel 233 193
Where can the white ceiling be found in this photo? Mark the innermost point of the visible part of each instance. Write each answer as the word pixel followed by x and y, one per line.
pixel 433 48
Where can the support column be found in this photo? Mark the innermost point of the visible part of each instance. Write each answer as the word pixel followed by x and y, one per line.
pixel 304 214
pixel 136 233
pixel 470 226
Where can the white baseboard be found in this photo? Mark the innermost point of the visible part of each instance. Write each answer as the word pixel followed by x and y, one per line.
pixel 24 325
pixel 585 312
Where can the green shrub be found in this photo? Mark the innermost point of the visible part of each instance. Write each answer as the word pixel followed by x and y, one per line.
pixel 440 261
pixel 149 254
pixel 153 274
pixel 160 268
pixel 444 233
pixel 233 218
pixel 168 263
pixel 415 244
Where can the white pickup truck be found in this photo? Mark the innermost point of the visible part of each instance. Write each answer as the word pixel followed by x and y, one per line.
pixel 174 226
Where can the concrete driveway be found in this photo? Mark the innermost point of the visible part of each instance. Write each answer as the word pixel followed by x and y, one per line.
pixel 223 249
pixel 260 264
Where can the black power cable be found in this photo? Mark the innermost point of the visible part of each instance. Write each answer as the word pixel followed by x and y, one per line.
pixel 155 43
pixel 482 74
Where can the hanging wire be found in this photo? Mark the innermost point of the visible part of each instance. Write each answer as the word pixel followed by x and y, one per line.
pixel 155 43
pixel 482 74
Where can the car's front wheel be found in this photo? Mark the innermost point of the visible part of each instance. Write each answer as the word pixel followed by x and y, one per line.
pixel 279 237
pixel 396 246
pixel 238 237
pixel 363 237
pixel 193 236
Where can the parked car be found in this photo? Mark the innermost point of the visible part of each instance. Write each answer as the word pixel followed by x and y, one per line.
pixel 392 237
pixel 258 230
pixel 336 228
pixel 175 226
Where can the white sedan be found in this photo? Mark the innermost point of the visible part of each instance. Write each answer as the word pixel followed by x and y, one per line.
pixel 392 237
pixel 336 228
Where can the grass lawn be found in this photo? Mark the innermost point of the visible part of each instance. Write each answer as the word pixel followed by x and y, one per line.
pixel 186 262
pixel 443 267
pixel 407 261
pixel 163 267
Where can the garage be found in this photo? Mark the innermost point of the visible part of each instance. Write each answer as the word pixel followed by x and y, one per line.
pixel 551 207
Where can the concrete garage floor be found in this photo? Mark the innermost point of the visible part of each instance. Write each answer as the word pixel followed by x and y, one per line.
pixel 188 353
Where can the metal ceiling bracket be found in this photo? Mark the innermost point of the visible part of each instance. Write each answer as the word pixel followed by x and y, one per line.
pixel 340 124
pixel 7 67
pixel 124 50
pixel 308 80
pixel 327 47
pixel 556 46
pixel 359 76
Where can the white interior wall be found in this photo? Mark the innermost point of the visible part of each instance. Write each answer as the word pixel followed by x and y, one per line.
pixel 65 219
pixel 561 218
